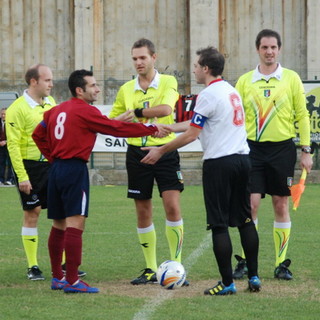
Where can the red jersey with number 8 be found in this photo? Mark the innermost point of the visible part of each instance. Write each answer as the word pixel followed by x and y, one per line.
pixel 69 130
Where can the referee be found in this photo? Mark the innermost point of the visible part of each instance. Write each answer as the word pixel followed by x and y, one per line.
pixel 30 167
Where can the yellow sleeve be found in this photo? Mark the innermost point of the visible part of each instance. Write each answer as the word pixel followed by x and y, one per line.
pixel 171 94
pixel 304 131
pixel 13 125
pixel 119 105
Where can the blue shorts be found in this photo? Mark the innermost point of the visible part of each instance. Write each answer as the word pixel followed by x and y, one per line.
pixel 68 189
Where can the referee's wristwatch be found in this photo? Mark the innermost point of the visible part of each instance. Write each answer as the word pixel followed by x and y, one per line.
pixel 306 149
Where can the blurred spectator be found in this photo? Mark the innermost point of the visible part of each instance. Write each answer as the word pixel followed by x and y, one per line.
pixel 6 175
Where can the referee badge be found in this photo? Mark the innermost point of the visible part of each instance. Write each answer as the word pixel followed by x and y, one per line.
pixel 180 177
pixel 289 181
pixel 267 93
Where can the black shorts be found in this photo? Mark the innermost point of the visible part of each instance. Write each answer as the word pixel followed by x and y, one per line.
pixel 68 189
pixel 38 172
pixel 141 176
pixel 226 191
pixel 272 167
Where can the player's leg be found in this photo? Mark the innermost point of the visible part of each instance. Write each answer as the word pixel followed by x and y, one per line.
pixel 30 240
pixel 56 248
pixel 257 187
pixel 217 181
pixel 72 188
pixel 146 232
pixel 170 184
pixel 241 216
pixel 32 204
pixel 174 223
pixel 140 187
pixel 73 246
pixel 281 236
pixel 280 176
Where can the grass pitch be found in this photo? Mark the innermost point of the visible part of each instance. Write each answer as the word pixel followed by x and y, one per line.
pixel 112 257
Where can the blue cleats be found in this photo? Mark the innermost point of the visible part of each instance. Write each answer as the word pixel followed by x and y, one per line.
pixel 79 287
pixel 57 284
pixel 254 284
pixel 221 290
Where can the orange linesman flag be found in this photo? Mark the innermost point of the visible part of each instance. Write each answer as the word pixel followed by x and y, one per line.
pixel 298 189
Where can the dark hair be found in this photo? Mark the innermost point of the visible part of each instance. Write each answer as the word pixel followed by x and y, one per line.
pixel 76 80
pixel 145 43
pixel 211 58
pixel 33 72
pixel 268 33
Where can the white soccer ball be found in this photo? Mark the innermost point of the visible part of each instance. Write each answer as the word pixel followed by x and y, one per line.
pixel 171 274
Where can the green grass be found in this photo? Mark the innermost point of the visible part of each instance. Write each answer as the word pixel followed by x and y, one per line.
pixel 112 257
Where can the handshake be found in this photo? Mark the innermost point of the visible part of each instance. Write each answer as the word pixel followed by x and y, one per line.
pixel 163 130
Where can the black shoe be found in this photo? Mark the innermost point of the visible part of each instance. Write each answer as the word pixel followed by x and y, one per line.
pixel 81 274
pixel 186 283
pixel 221 290
pixel 148 276
pixel 34 273
pixel 282 272
pixel 240 269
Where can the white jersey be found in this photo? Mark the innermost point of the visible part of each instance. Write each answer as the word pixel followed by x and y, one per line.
pixel 219 113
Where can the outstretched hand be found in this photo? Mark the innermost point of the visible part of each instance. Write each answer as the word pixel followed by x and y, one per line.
pixel 163 130
pixel 154 154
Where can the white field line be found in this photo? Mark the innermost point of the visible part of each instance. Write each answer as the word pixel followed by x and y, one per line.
pixel 151 306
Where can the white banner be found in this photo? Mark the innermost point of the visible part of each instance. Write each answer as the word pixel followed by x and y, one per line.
pixel 105 143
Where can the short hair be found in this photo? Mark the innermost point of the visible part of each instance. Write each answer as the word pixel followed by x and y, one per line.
pixel 145 43
pixel 268 33
pixel 76 79
pixel 33 72
pixel 211 58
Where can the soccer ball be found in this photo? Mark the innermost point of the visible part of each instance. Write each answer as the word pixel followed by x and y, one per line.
pixel 171 274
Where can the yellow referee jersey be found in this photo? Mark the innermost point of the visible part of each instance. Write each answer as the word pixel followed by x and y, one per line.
pixel 23 115
pixel 162 90
pixel 272 106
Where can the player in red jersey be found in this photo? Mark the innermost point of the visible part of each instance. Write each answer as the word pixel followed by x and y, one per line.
pixel 66 137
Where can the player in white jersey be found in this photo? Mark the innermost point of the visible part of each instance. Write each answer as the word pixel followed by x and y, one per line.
pixel 219 122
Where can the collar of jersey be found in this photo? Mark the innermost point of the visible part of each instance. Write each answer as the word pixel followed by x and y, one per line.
pixel 154 83
pixel 257 75
pixel 215 80
pixel 33 103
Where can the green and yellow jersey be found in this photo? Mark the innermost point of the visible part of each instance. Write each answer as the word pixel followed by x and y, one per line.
pixel 22 116
pixel 273 104
pixel 162 90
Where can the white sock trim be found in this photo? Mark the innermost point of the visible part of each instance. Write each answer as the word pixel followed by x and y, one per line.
pixel 146 230
pixel 174 223
pixel 282 225
pixel 29 231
